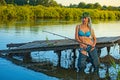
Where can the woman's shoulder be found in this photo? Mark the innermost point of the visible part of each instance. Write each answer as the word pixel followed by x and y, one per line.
pixel 78 26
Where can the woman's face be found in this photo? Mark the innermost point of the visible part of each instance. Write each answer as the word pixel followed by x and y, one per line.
pixel 85 20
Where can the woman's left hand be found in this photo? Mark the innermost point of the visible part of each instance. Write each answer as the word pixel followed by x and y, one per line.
pixel 93 46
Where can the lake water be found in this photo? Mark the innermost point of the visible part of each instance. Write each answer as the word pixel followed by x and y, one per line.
pixel 10 71
pixel 17 32
pixel 26 31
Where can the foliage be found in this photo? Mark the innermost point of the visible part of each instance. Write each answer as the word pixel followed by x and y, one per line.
pixel 83 5
pixel 118 78
pixel 2 2
pixel 33 12
pixel 46 3
pixel 117 69
pixel 53 3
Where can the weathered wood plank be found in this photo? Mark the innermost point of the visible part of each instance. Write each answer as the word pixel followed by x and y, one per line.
pixel 56 45
pixel 108 39
pixel 15 45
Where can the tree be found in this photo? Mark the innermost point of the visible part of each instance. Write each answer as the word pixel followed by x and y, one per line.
pixel 81 5
pixel 72 5
pixel 20 2
pixel 89 6
pixel 2 2
pixel 47 3
pixel 52 3
pixel 119 8
pixel 9 1
pixel 17 2
pixel 97 6
pixel 109 8
pixel 104 7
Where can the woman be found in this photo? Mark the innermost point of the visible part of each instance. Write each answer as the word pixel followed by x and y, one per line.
pixel 85 36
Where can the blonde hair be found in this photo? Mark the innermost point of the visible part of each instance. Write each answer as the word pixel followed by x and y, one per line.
pixel 90 26
pixel 89 22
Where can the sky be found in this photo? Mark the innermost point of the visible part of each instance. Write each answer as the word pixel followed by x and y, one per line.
pixel 101 2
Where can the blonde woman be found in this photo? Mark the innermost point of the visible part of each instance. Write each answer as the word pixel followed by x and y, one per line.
pixel 85 34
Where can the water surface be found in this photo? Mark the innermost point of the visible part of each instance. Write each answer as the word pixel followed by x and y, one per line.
pixel 27 31
pixel 23 31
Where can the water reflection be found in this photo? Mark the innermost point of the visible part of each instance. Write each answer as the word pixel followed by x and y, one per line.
pixel 106 71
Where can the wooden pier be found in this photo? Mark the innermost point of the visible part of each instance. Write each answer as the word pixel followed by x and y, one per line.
pixel 55 45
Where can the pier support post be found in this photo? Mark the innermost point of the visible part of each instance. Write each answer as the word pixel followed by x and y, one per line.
pixel 74 58
pixel 27 57
pixel 59 57
pixel 108 49
pixel 10 55
pixel 0 54
pixel 99 51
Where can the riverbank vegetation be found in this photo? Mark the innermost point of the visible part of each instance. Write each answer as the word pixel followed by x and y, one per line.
pixel 41 12
pixel 50 9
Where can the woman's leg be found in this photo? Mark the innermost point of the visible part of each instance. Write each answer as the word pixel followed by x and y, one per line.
pixel 94 58
pixel 81 61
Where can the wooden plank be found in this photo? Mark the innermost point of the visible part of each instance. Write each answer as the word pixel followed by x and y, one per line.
pixel 45 48
pixel 58 45
pixel 108 39
pixel 51 42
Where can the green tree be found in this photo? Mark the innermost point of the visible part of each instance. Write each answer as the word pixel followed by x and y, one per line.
pixel 119 8
pixel 89 6
pixel 81 5
pixel 109 8
pixel 104 7
pixel 2 2
pixel 47 3
pixel 20 2
pixel 97 6
pixel 72 6
pixel 32 2
pixel 10 1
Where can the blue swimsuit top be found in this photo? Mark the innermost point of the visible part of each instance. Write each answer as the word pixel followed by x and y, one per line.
pixel 81 33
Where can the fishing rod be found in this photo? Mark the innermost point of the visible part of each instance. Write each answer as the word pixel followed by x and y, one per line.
pixel 60 35
pixel 64 37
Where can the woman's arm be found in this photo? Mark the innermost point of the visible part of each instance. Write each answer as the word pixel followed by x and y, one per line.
pixel 78 38
pixel 76 34
pixel 93 37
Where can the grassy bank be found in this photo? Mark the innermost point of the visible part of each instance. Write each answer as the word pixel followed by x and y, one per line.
pixel 40 12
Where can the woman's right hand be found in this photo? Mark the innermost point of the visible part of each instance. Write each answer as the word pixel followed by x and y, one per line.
pixel 83 46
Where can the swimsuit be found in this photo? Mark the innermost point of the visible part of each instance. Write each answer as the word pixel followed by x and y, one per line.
pixel 86 34
pixel 81 33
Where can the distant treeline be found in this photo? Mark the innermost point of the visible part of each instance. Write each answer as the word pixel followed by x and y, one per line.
pixel 46 3
pixel 35 12
pixel 83 5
